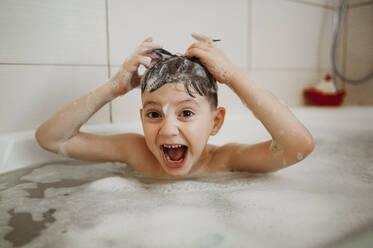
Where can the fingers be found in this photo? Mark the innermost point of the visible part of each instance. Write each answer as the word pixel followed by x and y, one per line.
pixel 202 38
pixel 132 64
pixel 149 39
pixel 201 45
pixel 145 61
pixel 148 45
pixel 197 52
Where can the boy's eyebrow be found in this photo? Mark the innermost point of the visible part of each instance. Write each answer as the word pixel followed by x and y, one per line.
pixel 180 102
pixel 150 102
pixel 188 101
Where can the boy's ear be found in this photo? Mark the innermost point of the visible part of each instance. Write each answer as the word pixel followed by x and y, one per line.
pixel 219 116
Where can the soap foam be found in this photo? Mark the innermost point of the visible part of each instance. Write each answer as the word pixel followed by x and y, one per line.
pixel 62 149
pixel 165 109
pixel 122 77
pixel 224 74
pixel 276 149
pixel 299 156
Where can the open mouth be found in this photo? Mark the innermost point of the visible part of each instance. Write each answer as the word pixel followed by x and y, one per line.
pixel 174 155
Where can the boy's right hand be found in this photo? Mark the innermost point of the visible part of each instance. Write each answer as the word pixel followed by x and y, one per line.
pixel 127 77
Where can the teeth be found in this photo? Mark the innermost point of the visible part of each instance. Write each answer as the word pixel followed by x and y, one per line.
pixel 172 146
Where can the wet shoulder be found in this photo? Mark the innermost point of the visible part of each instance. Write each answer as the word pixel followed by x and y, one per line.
pixel 218 159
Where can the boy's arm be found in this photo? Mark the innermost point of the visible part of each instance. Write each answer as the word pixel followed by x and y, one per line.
pixel 291 141
pixel 60 133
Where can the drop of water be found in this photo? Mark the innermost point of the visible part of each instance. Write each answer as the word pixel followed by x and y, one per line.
pixel 299 156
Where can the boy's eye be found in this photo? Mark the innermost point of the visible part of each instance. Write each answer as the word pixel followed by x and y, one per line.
pixel 153 115
pixel 187 113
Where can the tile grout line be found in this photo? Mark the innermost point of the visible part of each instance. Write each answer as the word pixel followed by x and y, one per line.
pixel 53 64
pixel 249 39
pixel 326 6
pixel 108 56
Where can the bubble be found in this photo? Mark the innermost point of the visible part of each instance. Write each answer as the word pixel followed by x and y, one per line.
pixel 299 156
pixel 200 72
pixel 276 149
pixel 123 77
pixel 163 68
pixel 224 74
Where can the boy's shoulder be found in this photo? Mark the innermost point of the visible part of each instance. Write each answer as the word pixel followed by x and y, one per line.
pixel 135 152
pixel 219 157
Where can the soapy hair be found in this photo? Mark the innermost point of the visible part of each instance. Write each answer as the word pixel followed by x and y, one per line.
pixel 170 68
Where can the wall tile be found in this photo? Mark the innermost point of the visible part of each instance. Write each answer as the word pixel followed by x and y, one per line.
pixel 286 34
pixel 29 95
pixel 70 32
pixel 171 22
pixel 286 85
pixel 126 108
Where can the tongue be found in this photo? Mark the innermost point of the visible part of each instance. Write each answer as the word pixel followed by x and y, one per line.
pixel 176 153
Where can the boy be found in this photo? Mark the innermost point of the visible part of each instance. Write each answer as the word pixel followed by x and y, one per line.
pixel 179 114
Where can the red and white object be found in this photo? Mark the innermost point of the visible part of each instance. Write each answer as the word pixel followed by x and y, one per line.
pixel 324 93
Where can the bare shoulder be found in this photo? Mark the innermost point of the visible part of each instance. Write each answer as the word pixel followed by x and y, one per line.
pixel 219 158
pixel 133 150
pixel 242 157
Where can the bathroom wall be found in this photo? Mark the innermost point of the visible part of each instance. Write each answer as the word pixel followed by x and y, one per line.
pixel 52 52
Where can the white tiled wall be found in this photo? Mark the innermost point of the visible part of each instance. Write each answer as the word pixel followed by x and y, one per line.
pixel 51 53
pixel 53 31
pixel 30 94
pixel 54 51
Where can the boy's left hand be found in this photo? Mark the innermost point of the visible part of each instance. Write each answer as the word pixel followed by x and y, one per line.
pixel 212 57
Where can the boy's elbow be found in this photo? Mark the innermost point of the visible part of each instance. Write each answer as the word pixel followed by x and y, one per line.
pixel 309 145
pixel 305 147
pixel 43 141
pixel 39 139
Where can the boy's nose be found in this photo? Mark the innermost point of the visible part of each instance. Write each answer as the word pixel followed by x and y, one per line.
pixel 169 128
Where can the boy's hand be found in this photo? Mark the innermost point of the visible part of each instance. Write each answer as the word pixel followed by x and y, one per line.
pixel 212 57
pixel 127 77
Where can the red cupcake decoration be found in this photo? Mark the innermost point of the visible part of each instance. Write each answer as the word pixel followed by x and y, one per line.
pixel 324 93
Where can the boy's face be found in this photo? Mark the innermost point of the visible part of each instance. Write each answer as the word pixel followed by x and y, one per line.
pixel 177 127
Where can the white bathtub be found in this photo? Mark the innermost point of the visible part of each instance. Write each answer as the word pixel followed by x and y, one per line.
pixel 325 200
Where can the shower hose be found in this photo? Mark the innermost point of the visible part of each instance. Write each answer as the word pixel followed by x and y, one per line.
pixel 336 72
